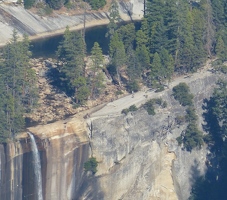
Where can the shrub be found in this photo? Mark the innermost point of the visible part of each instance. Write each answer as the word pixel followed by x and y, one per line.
pixel 192 138
pixel 133 108
pixel 48 10
pixel 125 111
pixel 180 119
pixel 182 93
pixel 223 69
pixel 96 4
pixel 164 105
pixel 28 3
pixel 133 86
pixel 191 115
pixel 55 4
pixel 91 165
pixel 160 88
pixel 149 107
pixel 118 92
pixel 158 101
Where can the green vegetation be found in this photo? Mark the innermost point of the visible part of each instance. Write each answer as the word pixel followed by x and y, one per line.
pixel 212 184
pixel 71 52
pixel 28 4
pixel 43 9
pixel 192 137
pixel 91 165
pixel 132 108
pixel 18 93
pixel 181 93
pixel 96 78
pixel 114 18
pixel 55 4
pixel 149 106
pixel 96 4
pixel 133 86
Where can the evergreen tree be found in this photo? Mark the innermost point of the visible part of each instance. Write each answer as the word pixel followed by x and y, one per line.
pixel 209 34
pixel 134 68
pixel 127 35
pixel 18 83
pixel 55 4
pixel 117 54
pixel 114 18
pixel 96 4
pixel 171 22
pixel 72 52
pixel 167 63
pixel 141 38
pixel 157 70
pixel 154 24
pixel 143 57
pixel 82 91
pixel 97 65
pixel 220 49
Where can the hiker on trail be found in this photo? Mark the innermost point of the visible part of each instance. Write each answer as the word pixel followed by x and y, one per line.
pixel 132 94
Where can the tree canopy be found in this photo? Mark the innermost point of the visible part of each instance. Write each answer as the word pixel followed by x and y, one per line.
pixel 18 86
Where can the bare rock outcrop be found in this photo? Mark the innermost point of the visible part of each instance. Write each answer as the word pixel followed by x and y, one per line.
pixel 37 26
pixel 139 157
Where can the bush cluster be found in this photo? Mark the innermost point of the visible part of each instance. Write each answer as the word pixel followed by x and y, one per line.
pixel 192 137
pixel 132 108
pixel 182 94
pixel 91 165
pixel 96 4
pixel 149 105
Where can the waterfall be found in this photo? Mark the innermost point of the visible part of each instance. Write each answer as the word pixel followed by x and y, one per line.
pixel 37 167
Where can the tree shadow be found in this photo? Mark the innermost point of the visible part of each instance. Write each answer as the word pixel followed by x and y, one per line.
pixel 57 79
pixel 213 184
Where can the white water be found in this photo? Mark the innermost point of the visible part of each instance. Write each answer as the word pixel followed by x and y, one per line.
pixel 37 167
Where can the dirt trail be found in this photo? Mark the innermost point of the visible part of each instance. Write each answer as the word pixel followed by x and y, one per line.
pixel 115 107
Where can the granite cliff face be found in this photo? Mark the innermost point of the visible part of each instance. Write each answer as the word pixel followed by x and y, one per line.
pixel 36 26
pixel 63 149
pixel 138 155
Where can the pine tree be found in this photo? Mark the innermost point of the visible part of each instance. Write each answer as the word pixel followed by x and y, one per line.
pixel 72 52
pixel 171 22
pixel 97 65
pixel 117 54
pixel 209 33
pixel 143 57
pixel 141 38
pixel 18 85
pixel 134 69
pixel 82 91
pixel 154 24
pixel 127 35
pixel 157 70
pixel 114 18
pixel 167 63
pixel 220 49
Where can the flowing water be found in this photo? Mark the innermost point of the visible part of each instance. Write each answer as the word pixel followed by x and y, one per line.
pixel 37 167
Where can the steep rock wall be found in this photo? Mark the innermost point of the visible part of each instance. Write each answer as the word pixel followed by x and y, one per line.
pixel 138 154
pixel 62 153
pixel 35 26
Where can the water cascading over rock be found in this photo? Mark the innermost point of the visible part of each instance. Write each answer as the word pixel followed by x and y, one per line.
pixel 37 167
